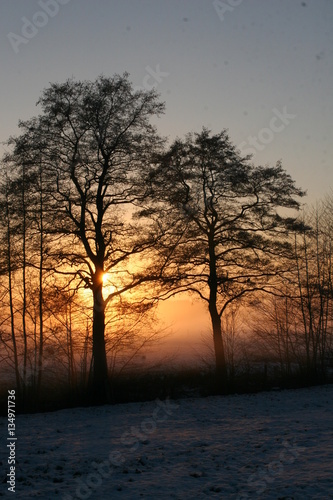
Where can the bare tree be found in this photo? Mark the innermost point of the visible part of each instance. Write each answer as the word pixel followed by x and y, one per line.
pixel 8 266
pixel 26 183
pixel 225 232
pixel 93 142
pixel 313 256
pixel 297 326
pixel 276 329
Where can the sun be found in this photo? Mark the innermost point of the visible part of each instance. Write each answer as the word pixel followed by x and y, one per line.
pixel 107 285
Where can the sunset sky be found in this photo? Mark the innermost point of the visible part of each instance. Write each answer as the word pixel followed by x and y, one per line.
pixel 261 68
pixel 225 64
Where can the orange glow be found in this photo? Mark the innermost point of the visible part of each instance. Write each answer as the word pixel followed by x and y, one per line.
pixel 107 285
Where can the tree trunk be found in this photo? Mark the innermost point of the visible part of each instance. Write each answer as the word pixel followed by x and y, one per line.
pixel 11 300
pixel 220 361
pixel 24 284
pixel 101 393
pixel 41 292
pixel 70 350
pixel 11 306
pixel 221 367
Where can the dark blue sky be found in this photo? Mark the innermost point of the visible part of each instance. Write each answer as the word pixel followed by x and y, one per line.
pixel 261 68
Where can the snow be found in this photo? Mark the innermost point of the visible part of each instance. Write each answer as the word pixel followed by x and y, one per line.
pixel 273 445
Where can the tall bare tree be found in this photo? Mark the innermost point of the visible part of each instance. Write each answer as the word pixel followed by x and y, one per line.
pixel 226 230
pixel 93 142
pixel 9 264
pixel 313 257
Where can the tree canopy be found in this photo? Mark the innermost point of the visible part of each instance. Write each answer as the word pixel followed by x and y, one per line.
pixel 225 221
pixel 92 191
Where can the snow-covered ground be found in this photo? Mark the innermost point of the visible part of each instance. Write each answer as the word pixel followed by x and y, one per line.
pixel 274 445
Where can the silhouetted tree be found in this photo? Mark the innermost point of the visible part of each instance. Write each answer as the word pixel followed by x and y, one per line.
pixel 8 266
pixel 26 180
pixel 313 257
pixel 225 233
pixel 93 142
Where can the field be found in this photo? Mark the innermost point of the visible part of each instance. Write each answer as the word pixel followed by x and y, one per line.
pixel 270 445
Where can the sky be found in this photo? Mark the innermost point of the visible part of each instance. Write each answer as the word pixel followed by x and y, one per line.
pixel 263 69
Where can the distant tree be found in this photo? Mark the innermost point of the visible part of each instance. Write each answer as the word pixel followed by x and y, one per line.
pixel 26 179
pixel 276 329
pixel 8 266
pixel 297 326
pixel 313 264
pixel 225 224
pixel 93 142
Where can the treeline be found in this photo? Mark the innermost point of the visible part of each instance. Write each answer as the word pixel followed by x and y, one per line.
pixel 299 323
pixel 102 219
pixel 290 333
